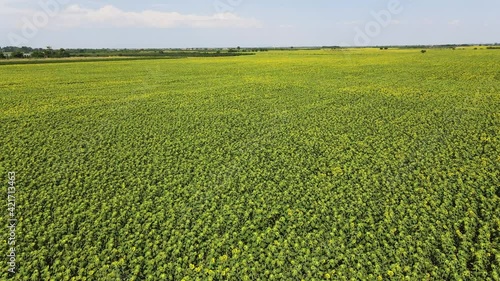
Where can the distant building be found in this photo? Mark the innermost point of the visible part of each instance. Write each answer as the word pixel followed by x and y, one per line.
pixel 26 55
pixel 7 54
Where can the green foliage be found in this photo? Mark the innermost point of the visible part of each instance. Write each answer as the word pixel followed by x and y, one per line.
pixel 17 54
pixel 38 54
pixel 313 165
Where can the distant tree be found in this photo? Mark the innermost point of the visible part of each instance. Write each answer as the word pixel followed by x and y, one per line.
pixel 17 54
pixel 49 53
pixel 37 54
pixel 62 53
pixel 25 49
pixel 2 56
pixel 9 49
pixel 423 51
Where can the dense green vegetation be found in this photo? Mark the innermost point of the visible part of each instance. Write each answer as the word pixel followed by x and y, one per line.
pixel 50 54
pixel 313 165
pixel 40 58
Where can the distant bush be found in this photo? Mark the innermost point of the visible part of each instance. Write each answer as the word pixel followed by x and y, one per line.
pixel 37 54
pixel 17 54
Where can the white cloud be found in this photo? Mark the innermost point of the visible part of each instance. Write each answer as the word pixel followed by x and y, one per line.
pixel 454 22
pixel 286 26
pixel 77 16
pixel 8 8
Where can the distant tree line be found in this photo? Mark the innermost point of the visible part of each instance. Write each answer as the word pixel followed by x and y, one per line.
pixel 48 52
pixel 23 52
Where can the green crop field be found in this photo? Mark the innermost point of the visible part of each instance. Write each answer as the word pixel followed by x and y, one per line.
pixel 293 165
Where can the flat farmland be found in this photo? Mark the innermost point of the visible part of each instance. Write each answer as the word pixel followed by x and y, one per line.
pixel 358 164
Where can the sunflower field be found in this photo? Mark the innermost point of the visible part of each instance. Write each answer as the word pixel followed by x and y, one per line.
pixel 288 165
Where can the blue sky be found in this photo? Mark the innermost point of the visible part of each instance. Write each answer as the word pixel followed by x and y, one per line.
pixel 246 23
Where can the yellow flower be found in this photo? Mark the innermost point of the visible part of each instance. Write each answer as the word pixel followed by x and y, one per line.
pixel 223 258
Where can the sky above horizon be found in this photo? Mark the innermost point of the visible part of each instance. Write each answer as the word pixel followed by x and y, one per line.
pixel 245 23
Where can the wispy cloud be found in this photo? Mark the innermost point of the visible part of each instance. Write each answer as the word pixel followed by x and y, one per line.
pixel 11 8
pixel 110 16
pixel 354 22
pixel 77 16
pixel 454 22
pixel 359 22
